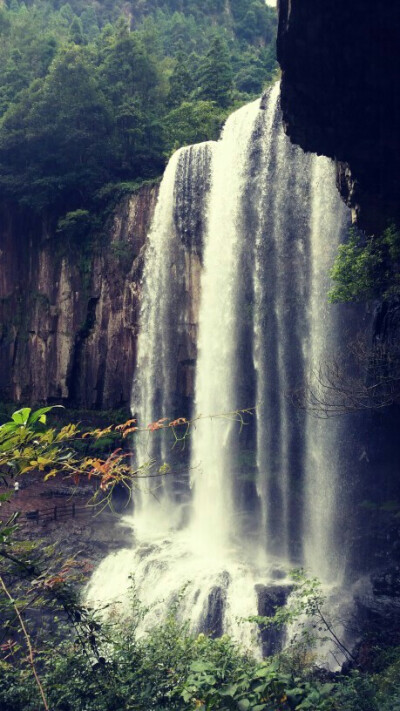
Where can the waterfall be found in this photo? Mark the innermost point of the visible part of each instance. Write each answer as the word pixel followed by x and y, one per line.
pixel 212 446
pixel 166 315
pixel 262 221
pixel 299 221
pixel 324 440
pixel 281 284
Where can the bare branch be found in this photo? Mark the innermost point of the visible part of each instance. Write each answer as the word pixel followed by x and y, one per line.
pixel 366 377
pixel 28 642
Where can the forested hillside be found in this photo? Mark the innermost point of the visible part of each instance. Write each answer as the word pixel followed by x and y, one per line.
pixel 96 95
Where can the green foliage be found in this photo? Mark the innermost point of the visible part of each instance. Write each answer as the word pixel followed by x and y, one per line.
pixel 181 80
pixel 87 101
pixel 92 663
pixel 112 668
pixel 74 226
pixel 377 691
pixel 367 267
pixel 306 608
pixel 192 122
pixel 28 445
pixel 215 74
pixel 89 661
pixel 306 599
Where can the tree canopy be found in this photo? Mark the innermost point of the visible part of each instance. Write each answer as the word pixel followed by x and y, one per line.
pixel 95 94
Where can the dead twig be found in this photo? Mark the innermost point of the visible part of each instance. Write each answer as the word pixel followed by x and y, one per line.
pixel 28 643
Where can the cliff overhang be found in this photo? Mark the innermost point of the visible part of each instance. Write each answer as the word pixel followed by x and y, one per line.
pixel 340 96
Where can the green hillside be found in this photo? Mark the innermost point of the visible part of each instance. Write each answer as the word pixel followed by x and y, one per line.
pixel 95 95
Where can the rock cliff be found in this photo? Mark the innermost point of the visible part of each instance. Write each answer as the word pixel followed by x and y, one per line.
pixel 69 315
pixel 340 96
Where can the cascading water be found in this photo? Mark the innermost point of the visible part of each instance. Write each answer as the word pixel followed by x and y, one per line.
pixel 323 454
pixel 216 392
pixel 165 316
pixel 299 223
pixel 264 220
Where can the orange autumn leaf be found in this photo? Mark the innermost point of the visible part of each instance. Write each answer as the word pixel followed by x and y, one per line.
pixel 101 433
pixel 157 425
pixel 53 581
pixel 128 431
pixel 126 424
pixel 179 421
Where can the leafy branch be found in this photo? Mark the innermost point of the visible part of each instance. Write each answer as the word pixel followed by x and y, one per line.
pixel 305 606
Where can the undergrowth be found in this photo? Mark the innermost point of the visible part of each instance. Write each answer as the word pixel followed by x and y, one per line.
pixel 107 666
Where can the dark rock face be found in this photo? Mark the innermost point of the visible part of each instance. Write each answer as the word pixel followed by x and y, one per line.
pixel 377 608
pixel 269 599
pixel 69 319
pixel 213 624
pixel 340 65
pixel 69 316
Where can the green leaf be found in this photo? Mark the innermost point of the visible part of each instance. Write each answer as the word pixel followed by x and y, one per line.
pixel 229 690
pixel 261 688
pixel 40 415
pixel 210 680
pixel 186 695
pixel 326 688
pixel 294 693
pixel 264 671
pixel 6 496
pixel 200 666
pixel 8 427
pixel 21 417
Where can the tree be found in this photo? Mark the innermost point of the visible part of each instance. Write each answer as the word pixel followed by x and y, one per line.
pixel 54 141
pixel 192 122
pixel 5 23
pixel 76 31
pixel 181 81
pixel 215 74
pixel 133 83
pixel 14 6
pixel 367 268
pixel 66 13
pixel 82 109
pixel 90 23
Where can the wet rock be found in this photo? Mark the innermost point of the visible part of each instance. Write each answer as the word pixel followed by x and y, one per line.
pixel 213 621
pixel 121 500
pixel 69 318
pixel 269 599
pixel 377 608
